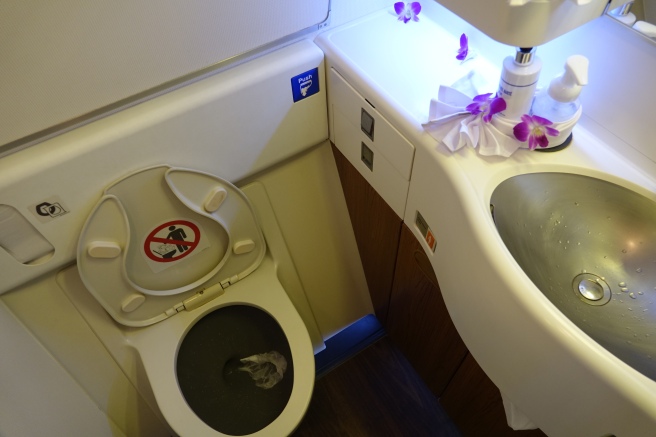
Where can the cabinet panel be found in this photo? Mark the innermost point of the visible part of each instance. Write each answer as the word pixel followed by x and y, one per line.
pixel 408 302
pixel 361 114
pixel 376 227
pixel 420 326
pixel 418 321
pixel 375 168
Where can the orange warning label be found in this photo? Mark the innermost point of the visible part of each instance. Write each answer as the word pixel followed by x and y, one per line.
pixel 430 240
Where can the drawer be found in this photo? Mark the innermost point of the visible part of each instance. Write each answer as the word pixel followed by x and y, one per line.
pixel 362 115
pixel 373 165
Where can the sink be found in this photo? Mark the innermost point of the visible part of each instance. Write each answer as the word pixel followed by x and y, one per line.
pixel 590 247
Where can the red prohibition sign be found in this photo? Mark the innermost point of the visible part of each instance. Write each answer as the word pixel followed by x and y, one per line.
pixel 172 235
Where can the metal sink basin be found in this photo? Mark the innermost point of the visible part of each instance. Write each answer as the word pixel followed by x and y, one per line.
pixel 590 246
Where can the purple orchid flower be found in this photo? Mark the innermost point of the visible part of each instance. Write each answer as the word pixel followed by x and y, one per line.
pixel 407 11
pixel 535 129
pixel 464 48
pixel 487 105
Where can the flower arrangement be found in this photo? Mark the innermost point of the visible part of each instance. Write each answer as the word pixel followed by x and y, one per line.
pixel 407 11
pixel 457 120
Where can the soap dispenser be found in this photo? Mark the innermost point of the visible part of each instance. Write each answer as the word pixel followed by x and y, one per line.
pixel 519 78
pixel 560 101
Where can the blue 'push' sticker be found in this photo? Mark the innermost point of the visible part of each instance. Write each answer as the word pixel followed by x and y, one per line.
pixel 305 84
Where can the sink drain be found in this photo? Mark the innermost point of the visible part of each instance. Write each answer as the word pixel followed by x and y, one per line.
pixel 591 289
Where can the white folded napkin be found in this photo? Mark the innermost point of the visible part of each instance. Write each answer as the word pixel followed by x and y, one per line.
pixel 455 127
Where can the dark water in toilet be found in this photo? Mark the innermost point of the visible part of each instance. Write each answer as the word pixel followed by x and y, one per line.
pixel 224 397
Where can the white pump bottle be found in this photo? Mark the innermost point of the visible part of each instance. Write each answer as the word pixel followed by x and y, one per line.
pixel 560 101
pixel 519 78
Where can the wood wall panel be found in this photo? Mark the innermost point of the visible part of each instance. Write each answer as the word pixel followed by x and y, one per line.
pixel 408 302
pixel 418 321
pixel 377 229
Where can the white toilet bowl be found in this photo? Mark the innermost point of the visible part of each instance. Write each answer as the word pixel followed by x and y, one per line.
pixel 159 345
pixel 177 258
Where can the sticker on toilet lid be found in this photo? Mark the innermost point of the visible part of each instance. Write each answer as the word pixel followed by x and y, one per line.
pixel 172 241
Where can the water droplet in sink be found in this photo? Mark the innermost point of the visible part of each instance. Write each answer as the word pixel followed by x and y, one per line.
pixel 632 297
pixel 639 270
pixel 624 289
pixel 623 284
pixel 640 292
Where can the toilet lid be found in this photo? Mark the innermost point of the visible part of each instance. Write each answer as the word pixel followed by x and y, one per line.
pixel 165 239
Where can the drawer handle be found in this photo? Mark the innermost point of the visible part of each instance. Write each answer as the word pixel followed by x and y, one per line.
pixel 367 156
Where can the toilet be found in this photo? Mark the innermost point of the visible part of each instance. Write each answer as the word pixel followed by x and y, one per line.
pixel 177 258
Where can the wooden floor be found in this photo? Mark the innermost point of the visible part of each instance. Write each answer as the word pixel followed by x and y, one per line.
pixel 375 393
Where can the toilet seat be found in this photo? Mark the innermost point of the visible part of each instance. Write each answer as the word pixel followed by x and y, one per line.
pixel 166 239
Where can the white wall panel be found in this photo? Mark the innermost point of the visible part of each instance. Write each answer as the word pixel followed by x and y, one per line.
pixel 64 59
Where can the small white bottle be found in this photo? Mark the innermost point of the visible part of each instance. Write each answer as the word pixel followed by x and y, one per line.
pixel 560 101
pixel 519 78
